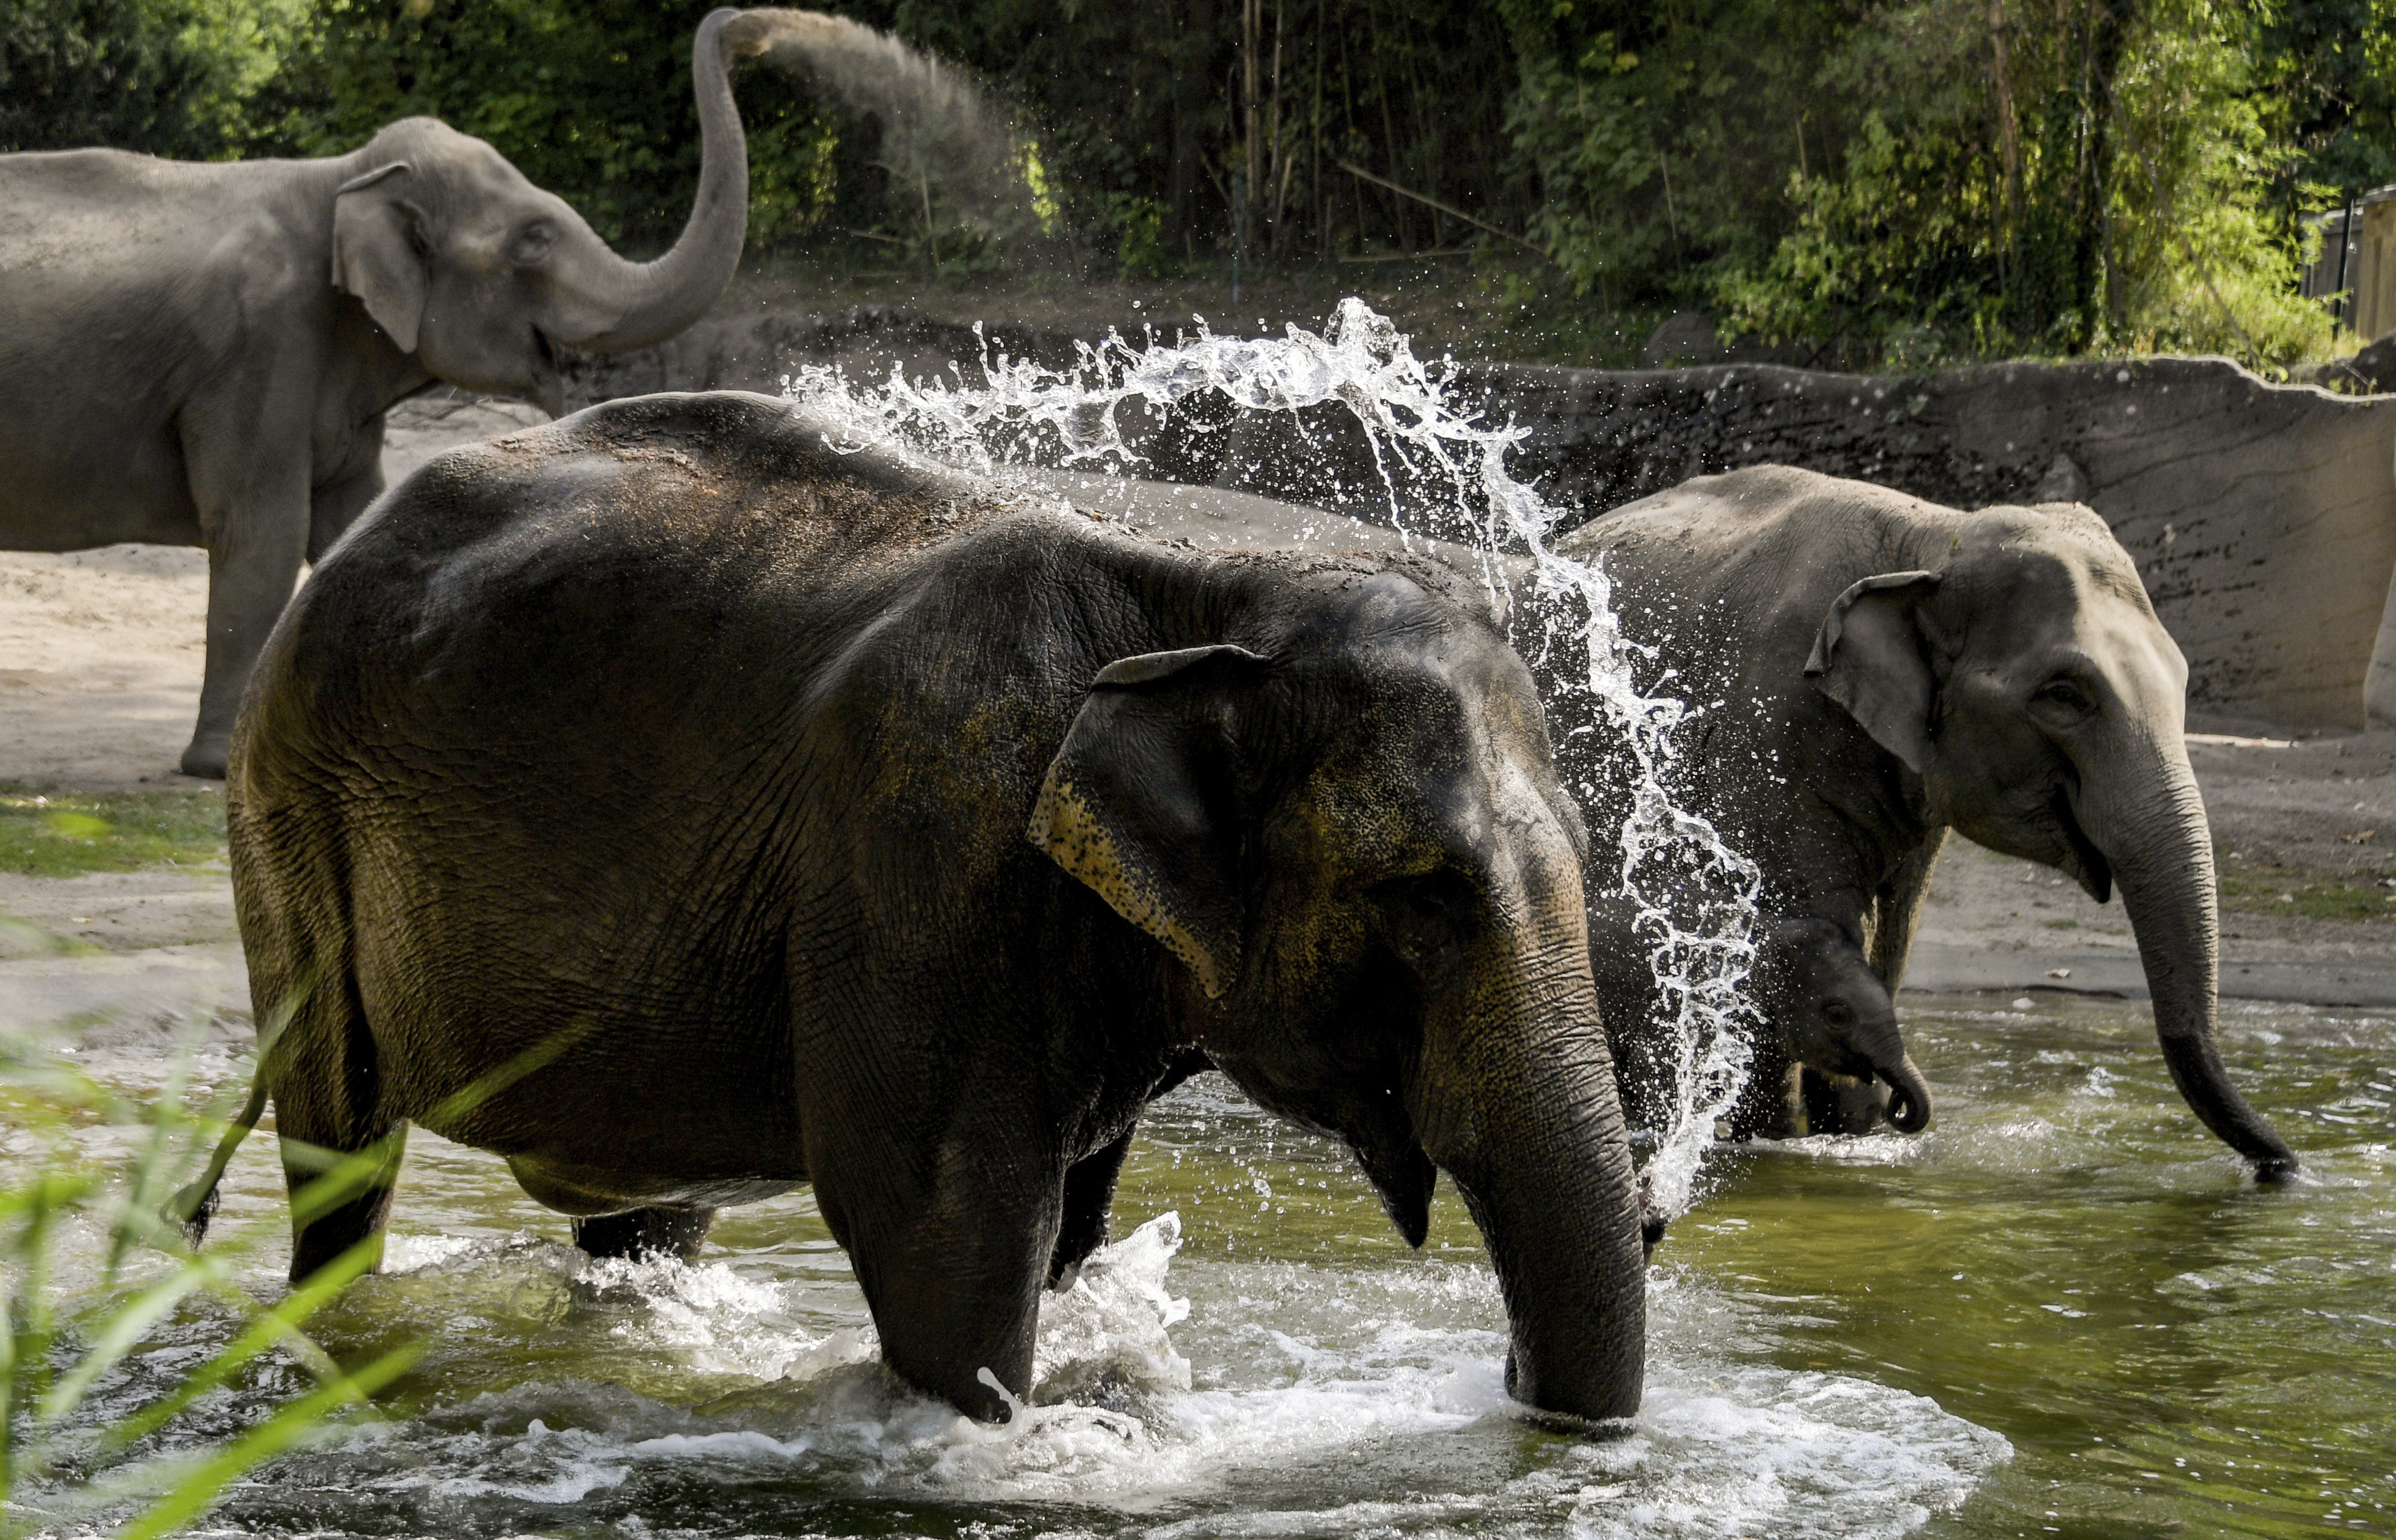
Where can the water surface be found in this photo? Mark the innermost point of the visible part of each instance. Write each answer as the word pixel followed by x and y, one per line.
pixel 2064 1310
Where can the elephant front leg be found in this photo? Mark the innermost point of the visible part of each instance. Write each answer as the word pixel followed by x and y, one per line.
pixel 333 509
pixel 250 483
pixel 952 1268
pixel 1089 1198
pixel 249 581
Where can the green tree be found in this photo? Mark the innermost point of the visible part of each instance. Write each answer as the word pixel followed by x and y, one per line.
pixel 1667 142
pixel 2092 175
pixel 167 77
pixel 590 98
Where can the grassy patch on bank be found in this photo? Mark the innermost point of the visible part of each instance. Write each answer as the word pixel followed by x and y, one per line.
pixel 2314 895
pixel 64 834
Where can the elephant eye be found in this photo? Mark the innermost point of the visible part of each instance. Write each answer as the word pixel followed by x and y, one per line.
pixel 1428 916
pixel 532 242
pixel 1839 1014
pixel 2064 693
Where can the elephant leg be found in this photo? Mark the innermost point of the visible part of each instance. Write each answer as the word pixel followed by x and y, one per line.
pixel 333 508
pixel 1897 909
pixel 250 485
pixel 676 1232
pixel 952 1261
pixel 358 1206
pixel 330 1116
pixel 1089 1198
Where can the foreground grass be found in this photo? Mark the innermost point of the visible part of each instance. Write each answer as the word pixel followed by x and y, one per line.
pixel 117 1343
pixel 64 834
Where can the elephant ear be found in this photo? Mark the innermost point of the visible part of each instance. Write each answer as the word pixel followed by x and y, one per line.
pixel 1141 804
pixel 376 255
pixel 1869 658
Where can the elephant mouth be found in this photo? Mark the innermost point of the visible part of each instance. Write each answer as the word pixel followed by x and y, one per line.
pixel 2085 863
pixel 548 388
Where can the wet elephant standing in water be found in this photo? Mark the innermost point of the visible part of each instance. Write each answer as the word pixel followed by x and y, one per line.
pixel 202 355
pixel 804 818
pixel 1875 670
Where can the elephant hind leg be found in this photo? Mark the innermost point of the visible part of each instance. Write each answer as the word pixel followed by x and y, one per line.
pixel 342 1145
pixel 677 1232
pixel 339 1197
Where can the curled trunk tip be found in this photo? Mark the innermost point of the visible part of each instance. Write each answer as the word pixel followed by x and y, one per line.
pixel 1908 1098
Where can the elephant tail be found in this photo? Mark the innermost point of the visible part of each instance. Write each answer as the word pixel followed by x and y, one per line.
pixel 191 1209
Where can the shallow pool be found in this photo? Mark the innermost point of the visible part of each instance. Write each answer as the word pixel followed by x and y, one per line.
pixel 2063 1311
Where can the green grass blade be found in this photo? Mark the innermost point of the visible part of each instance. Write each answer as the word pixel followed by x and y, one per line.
pixel 281 1324
pixel 188 1497
pixel 122 1329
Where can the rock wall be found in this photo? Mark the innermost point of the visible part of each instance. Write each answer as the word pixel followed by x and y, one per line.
pixel 2262 517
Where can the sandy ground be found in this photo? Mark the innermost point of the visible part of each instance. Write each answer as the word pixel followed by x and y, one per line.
pixel 99 672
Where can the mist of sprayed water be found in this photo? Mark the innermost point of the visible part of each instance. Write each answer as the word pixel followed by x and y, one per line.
pixel 952 154
pixel 1695 895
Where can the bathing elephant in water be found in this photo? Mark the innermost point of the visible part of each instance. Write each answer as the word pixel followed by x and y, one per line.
pixel 1821 1006
pixel 1873 671
pixel 202 355
pixel 685 811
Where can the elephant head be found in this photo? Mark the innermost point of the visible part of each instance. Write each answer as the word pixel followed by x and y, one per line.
pixel 2022 674
pixel 1355 840
pixel 464 263
pixel 1828 1010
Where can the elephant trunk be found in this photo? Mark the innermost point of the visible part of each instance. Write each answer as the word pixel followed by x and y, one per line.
pixel 2160 847
pixel 1909 1095
pixel 1881 1042
pixel 651 302
pixel 1528 1124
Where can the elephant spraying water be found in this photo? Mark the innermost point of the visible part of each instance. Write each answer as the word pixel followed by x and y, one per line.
pixel 202 355
pixel 811 818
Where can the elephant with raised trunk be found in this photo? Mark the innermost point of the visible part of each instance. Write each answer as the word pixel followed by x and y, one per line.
pixel 202 355
pixel 1873 671
pixel 687 811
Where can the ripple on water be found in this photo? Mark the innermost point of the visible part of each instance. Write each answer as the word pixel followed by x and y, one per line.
pixel 1327 1402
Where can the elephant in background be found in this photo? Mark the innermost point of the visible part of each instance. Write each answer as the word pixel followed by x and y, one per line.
pixel 202 355
pixel 1875 670
pixel 822 821
pixel 1821 1005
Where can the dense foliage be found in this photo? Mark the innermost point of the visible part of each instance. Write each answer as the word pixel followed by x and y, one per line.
pixel 1902 178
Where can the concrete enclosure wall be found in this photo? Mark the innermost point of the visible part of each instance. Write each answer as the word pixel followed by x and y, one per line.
pixel 2262 517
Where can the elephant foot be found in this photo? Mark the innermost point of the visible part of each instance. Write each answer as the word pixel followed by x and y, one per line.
pixel 205 758
pixel 676 1232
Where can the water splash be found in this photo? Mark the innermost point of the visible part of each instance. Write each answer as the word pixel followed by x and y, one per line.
pixel 1443 474
pixel 952 155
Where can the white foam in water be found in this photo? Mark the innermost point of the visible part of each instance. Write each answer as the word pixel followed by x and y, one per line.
pixel 1343 1393
pixel 1696 896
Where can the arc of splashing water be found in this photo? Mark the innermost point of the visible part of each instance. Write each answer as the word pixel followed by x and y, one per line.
pixel 1361 362
pixel 939 128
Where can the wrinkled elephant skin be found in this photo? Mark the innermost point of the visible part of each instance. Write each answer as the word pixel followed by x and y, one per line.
pixel 807 817
pixel 202 355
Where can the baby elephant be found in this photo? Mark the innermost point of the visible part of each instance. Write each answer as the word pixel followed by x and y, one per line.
pixel 1828 1055
pixel 1831 1060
